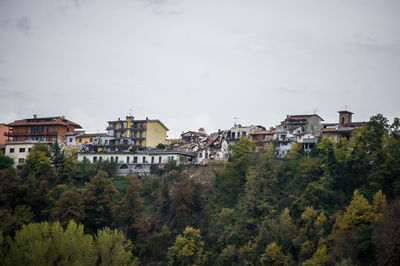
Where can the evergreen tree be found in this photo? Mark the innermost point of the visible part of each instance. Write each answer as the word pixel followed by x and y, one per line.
pixel 99 202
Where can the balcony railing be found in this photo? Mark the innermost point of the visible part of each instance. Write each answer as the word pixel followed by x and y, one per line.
pixel 27 134
pixel 138 127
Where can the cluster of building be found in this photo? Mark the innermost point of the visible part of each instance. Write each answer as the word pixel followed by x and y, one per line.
pixel 137 145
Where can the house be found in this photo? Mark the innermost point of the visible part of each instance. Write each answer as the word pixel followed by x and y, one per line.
pixel 238 131
pixel 309 124
pixel 19 150
pixel 137 133
pixel 70 138
pixel 262 137
pixel 305 129
pixel 3 138
pixel 343 128
pixel 41 128
pixel 89 138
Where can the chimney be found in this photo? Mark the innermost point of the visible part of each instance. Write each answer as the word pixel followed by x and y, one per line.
pixel 35 116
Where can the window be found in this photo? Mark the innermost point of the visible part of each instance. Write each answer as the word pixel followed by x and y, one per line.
pixel 21 149
pixel 206 155
pixel 144 159
pixel 21 160
pixel 152 159
pixel 29 149
pixel 135 159
pixel 112 158
pixel 91 139
pixel 244 133
pixel 70 139
pixel 116 159
pixel 127 159
pixel 94 159
pixel 200 155
pixel 100 159
pixel 12 150
pixel 159 159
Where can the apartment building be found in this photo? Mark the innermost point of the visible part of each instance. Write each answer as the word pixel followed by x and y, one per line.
pixel 138 133
pixel 40 129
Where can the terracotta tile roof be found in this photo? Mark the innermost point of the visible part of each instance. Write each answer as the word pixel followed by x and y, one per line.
pixel 57 120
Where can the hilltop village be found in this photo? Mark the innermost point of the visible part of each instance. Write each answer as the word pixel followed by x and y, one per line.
pixel 137 144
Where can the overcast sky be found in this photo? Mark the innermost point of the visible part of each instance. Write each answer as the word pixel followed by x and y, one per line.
pixel 198 63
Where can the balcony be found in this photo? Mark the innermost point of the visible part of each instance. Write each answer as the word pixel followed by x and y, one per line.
pixel 28 134
pixel 138 137
pixel 138 128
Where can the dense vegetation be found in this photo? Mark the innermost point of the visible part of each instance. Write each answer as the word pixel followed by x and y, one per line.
pixel 338 205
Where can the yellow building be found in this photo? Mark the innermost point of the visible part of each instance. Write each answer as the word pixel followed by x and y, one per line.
pixel 141 133
pixel 88 138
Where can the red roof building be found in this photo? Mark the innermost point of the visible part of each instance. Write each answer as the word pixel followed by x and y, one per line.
pixel 40 128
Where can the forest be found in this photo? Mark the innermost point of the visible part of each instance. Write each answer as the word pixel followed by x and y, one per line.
pixel 338 205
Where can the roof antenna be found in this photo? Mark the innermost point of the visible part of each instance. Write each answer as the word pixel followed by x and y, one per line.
pixel 235 118
pixel 345 107
pixel 315 111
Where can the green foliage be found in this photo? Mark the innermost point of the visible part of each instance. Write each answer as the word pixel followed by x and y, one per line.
pixel 69 207
pixel 5 161
pixel 45 244
pixel 187 249
pixel 386 236
pixel 99 202
pixel 230 181
pixel 130 216
pixel 161 146
pixel 274 256
pixel 114 248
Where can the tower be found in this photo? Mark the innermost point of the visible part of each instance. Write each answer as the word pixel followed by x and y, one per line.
pixel 345 117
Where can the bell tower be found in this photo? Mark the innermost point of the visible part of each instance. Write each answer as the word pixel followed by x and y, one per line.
pixel 345 117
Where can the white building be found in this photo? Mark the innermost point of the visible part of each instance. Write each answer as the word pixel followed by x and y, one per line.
pixel 19 150
pixel 139 162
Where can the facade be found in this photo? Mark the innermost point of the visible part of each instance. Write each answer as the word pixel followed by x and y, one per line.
pixel 89 138
pixel 137 133
pixel 139 162
pixel 343 128
pixel 309 124
pixel 40 129
pixel 19 150
pixel 70 138
pixel 262 138
pixel 3 138
pixel 238 131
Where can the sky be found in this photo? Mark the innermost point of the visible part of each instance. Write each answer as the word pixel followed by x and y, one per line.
pixel 198 63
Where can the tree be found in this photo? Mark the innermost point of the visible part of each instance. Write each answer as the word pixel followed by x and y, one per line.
pixel 229 182
pixel 184 200
pixel 57 156
pixel 114 248
pixel 45 244
pixel 130 217
pixel 386 236
pixel 40 177
pixel 187 249
pixel 5 161
pixel 319 258
pixel 274 256
pixel 69 207
pixel 99 202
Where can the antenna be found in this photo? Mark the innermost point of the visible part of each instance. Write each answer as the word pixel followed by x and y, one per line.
pixel 345 107
pixel 235 118
pixel 315 111
pixel 130 112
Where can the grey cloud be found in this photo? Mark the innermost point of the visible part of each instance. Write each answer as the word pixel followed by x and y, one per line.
pixel 24 25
